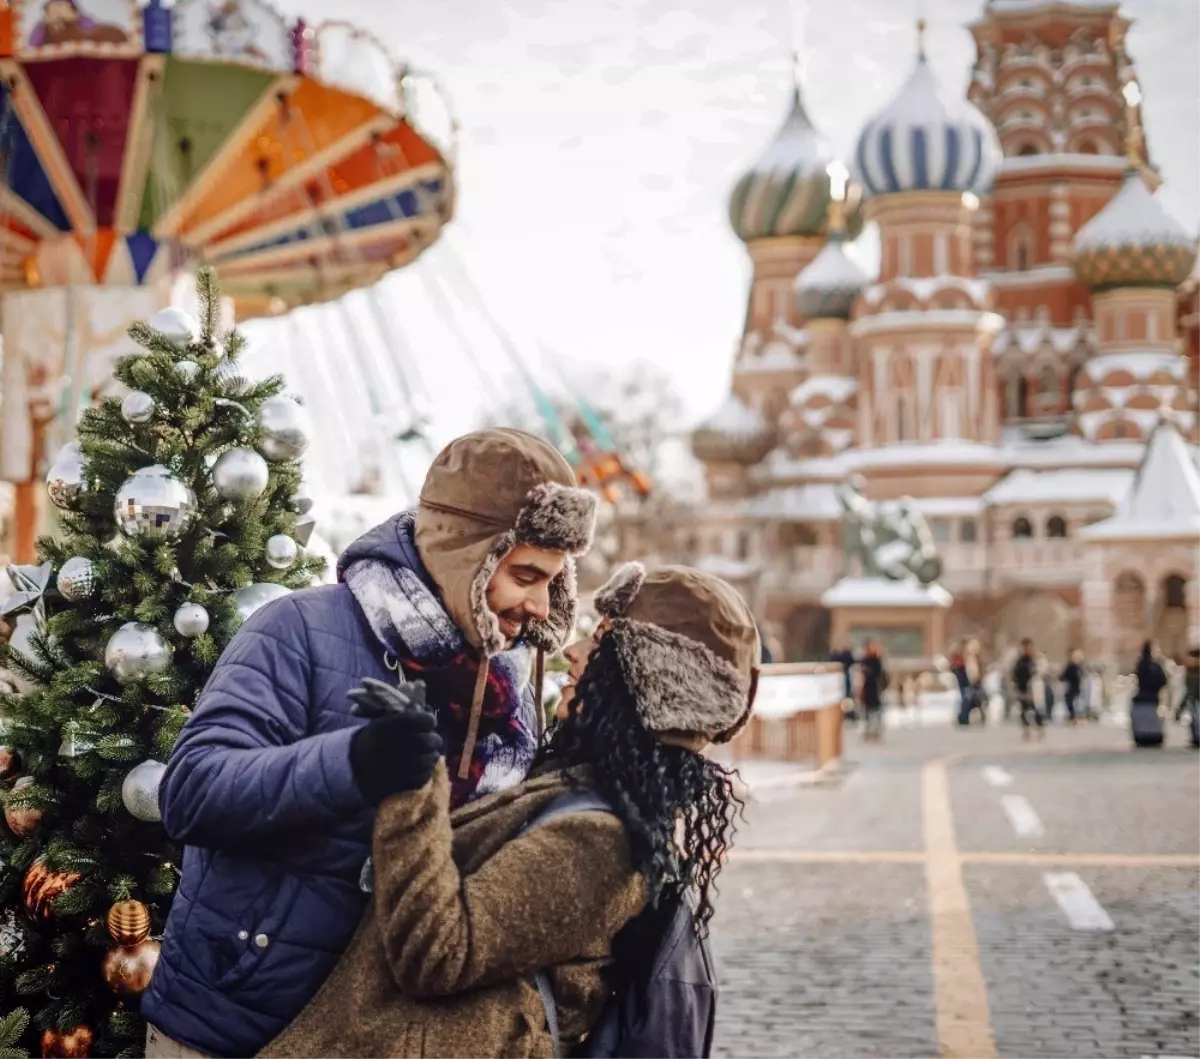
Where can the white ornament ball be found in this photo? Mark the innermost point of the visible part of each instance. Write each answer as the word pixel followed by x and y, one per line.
pixel 135 652
pixel 240 474
pixel 137 407
pixel 152 502
pixel 175 325
pixel 139 791
pixel 247 600
pixel 286 428
pixel 282 551
pixel 77 579
pixel 191 620
pixel 231 378
pixel 65 481
pixel 187 370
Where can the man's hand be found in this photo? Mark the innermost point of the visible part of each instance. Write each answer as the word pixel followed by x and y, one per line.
pixel 397 751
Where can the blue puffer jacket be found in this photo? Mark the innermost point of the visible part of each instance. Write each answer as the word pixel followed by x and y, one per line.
pixel 259 788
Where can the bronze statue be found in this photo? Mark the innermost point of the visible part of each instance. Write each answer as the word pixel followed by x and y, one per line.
pixel 890 538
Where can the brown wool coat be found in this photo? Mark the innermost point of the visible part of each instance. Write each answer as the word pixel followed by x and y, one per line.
pixel 465 909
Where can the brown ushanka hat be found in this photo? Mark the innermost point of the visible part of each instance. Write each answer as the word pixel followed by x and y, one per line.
pixel 689 647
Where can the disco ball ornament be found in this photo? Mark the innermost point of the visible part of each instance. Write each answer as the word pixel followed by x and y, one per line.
pixel 187 370
pixel 231 378
pixel 240 474
pixel 77 579
pixel 282 551
pixel 247 600
pixel 154 503
pixel 286 429
pixel 65 480
pixel 137 407
pixel 191 620
pixel 176 325
pixel 135 652
pixel 139 792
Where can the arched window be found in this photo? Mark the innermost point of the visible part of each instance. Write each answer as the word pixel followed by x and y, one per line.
pixel 1088 147
pixel 1049 397
pixel 743 546
pixel 1056 526
pixel 1175 592
pixel 1022 529
pixel 967 531
pixel 1028 149
pixel 1023 397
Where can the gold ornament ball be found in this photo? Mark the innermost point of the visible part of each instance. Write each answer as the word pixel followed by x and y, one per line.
pixel 22 822
pixel 128 968
pixel 42 886
pixel 129 922
pixel 10 763
pixel 74 1044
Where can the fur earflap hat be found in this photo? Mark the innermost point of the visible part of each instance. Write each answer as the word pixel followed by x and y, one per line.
pixel 689 647
pixel 486 493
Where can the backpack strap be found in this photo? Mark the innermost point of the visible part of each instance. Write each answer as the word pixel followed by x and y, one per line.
pixel 578 801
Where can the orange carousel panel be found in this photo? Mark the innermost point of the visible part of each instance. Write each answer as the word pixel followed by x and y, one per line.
pixel 315 116
pixel 398 150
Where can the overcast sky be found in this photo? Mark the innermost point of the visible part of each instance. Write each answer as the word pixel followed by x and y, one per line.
pixel 599 139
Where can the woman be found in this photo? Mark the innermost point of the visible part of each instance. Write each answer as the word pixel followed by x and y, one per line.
pixel 469 905
pixel 874 682
pixel 1143 711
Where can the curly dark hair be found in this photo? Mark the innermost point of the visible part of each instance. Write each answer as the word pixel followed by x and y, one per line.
pixel 678 807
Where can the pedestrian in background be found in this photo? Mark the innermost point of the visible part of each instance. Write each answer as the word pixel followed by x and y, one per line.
pixel 1072 680
pixel 968 671
pixel 1191 692
pixel 844 656
pixel 1143 713
pixel 874 683
pixel 1023 675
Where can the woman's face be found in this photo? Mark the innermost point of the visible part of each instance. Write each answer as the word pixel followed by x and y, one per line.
pixel 577 654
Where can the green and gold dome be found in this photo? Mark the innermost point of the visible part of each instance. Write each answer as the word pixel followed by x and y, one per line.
pixel 1133 242
pixel 786 192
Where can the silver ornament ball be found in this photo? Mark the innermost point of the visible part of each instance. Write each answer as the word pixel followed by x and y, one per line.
pixel 240 474
pixel 139 791
pixel 187 370
pixel 191 620
pixel 301 502
pixel 77 579
pixel 65 480
pixel 286 428
pixel 231 378
pixel 152 502
pixel 175 325
pixel 247 600
pixel 135 652
pixel 282 551
pixel 137 407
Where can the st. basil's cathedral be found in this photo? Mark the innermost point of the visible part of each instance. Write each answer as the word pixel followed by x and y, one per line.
pixel 1024 367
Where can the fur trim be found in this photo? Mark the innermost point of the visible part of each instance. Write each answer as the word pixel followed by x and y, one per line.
pixel 552 633
pixel 616 595
pixel 557 518
pixel 680 685
pixel 487 625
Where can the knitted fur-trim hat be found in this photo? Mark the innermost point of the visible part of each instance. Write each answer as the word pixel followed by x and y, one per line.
pixel 689 648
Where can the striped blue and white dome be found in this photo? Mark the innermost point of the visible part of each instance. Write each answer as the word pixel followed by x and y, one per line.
pixel 927 140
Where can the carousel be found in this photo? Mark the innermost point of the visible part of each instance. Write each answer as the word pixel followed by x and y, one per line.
pixel 139 141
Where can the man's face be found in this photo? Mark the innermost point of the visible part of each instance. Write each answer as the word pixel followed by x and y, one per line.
pixel 519 591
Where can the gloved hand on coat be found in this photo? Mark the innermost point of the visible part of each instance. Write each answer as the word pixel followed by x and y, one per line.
pixel 398 749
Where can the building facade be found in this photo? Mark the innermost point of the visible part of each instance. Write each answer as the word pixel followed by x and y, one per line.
pixel 1024 366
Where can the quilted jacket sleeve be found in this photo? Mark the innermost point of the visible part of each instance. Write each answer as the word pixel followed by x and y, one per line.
pixel 245 766
pixel 556 893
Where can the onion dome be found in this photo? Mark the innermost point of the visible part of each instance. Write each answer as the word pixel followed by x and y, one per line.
pixel 828 286
pixel 927 140
pixel 734 433
pixel 786 192
pixel 1133 242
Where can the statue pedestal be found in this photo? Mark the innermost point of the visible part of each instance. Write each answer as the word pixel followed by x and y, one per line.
pixel 906 617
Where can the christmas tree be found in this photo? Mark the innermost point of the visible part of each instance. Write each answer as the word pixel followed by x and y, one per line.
pixel 180 515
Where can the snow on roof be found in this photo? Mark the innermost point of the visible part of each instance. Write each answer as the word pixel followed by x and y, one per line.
pixel 1002 7
pixel 948 506
pixel 925 287
pixel 776 357
pixel 1030 337
pixel 816 502
pixel 831 269
pixel 1043 275
pixel 1164 499
pixel 836 387
pixel 1134 216
pixel 1067 450
pixel 1108 163
pixel 927 319
pixel 1141 364
pixel 733 419
pixel 723 567
pixel 923 453
pixel 880 592
pixel 1068 485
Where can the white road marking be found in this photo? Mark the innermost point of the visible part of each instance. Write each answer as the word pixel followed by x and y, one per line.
pixel 997 777
pixel 1078 903
pixel 1020 814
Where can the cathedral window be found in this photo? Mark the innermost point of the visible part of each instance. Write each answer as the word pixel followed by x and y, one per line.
pixel 1175 592
pixel 1056 526
pixel 968 531
pixel 1028 149
pixel 1048 397
pixel 1022 529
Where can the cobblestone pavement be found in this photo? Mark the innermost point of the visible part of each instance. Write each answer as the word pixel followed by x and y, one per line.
pixel 841 930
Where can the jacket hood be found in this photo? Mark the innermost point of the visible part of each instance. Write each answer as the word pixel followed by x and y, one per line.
pixel 384 543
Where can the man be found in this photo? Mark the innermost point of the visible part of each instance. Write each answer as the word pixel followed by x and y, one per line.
pixel 273 782
pixel 844 656
pixel 1023 676
pixel 1072 679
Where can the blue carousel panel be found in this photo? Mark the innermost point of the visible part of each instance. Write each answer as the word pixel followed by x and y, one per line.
pixel 142 250
pixel 22 170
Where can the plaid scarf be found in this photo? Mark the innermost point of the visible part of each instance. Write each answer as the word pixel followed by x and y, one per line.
pixel 413 627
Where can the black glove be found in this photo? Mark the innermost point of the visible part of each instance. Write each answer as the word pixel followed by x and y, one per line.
pixel 397 751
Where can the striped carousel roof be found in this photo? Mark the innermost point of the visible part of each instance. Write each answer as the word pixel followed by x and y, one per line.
pixel 927 139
